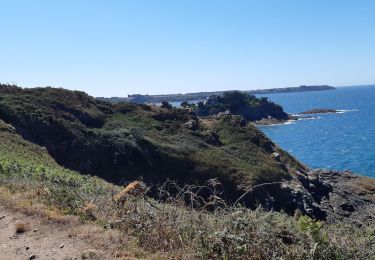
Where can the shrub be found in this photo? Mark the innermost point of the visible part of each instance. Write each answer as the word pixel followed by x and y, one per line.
pixel 165 104
pixel 21 227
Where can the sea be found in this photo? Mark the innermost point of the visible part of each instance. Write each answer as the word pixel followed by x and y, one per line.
pixel 340 141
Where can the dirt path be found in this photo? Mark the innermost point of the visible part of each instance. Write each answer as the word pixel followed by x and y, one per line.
pixel 39 241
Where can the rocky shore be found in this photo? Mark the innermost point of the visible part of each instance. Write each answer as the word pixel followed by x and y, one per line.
pixel 271 121
pixel 351 197
pixel 276 121
pixel 333 196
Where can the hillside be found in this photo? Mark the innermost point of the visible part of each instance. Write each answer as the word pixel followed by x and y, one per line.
pixel 200 171
pixel 75 216
pixel 122 142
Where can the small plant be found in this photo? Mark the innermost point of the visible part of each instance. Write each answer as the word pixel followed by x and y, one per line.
pixel 321 248
pixel 313 228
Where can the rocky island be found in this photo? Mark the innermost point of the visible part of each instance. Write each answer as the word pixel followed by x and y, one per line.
pixel 213 185
pixel 319 111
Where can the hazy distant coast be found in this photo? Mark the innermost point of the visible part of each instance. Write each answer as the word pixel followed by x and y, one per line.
pixel 138 98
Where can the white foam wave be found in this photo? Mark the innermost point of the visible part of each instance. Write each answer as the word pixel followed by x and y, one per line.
pixel 342 111
pixel 289 122
pixel 309 118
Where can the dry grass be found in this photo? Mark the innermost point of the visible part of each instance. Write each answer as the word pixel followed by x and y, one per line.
pixel 107 240
pixel 21 227
pixel 367 184
pixel 133 188
pixel 363 186
pixel 149 229
pixel 207 123
pixel 21 202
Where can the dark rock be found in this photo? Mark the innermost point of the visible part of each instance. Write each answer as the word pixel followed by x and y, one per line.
pixel 347 207
pixel 331 196
pixel 213 139
pixel 319 111
pixel 347 199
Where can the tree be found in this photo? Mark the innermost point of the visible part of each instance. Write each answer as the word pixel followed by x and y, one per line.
pixel 235 100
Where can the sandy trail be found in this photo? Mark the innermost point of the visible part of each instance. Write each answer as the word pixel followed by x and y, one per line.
pixel 42 241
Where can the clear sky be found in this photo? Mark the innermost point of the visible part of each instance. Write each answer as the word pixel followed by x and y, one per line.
pixel 115 48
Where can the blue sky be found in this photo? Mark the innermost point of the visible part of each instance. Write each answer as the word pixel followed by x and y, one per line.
pixel 115 48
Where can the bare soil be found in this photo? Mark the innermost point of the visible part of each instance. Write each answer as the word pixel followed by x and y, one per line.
pixel 40 240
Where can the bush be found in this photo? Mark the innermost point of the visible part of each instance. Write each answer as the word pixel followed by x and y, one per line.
pixel 165 104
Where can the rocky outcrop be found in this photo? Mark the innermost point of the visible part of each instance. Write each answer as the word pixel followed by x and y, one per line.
pixel 250 107
pixel 332 196
pixel 319 111
pixel 351 197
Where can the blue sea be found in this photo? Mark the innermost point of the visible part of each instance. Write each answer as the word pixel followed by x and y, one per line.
pixel 342 141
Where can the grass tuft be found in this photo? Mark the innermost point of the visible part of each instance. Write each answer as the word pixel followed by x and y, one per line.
pixel 21 227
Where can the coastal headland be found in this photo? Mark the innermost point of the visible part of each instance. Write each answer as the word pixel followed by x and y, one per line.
pixel 64 153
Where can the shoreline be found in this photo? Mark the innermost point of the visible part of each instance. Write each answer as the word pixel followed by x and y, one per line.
pixel 275 122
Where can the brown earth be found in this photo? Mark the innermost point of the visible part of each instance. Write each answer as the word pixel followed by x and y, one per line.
pixel 40 240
